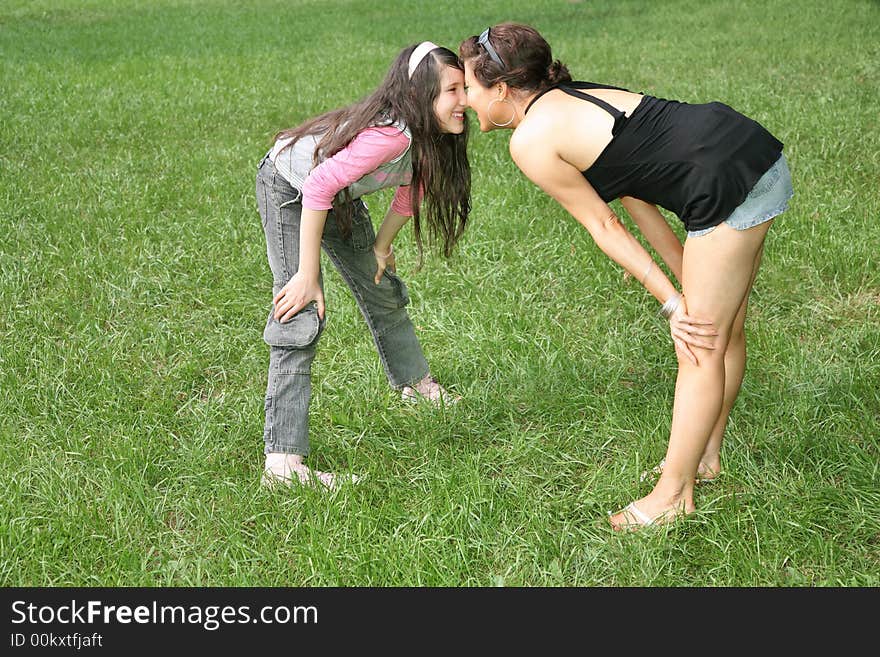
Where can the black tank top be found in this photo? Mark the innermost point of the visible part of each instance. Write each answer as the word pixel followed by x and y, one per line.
pixel 698 161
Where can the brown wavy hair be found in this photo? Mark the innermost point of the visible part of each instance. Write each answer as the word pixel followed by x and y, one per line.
pixel 528 61
pixel 439 159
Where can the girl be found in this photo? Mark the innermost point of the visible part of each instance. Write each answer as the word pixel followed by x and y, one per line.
pixel 410 134
pixel 723 174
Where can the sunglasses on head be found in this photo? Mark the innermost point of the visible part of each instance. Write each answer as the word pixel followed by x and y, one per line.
pixel 484 41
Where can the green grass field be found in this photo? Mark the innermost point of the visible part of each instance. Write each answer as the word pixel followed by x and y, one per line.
pixel 134 288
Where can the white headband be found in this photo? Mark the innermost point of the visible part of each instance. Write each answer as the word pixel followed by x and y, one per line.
pixel 419 54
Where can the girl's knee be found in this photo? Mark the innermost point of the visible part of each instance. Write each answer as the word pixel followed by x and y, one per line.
pixel 300 332
pixel 390 294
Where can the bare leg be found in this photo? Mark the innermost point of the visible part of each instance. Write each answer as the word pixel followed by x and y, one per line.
pixel 734 370
pixel 718 271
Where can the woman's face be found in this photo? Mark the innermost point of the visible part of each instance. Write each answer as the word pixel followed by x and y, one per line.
pixel 478 97
pixel 450 102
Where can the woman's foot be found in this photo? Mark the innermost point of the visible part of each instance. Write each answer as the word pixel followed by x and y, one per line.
pixel 705 474
pixel 288 469
pixel 428 389
pixel 646 513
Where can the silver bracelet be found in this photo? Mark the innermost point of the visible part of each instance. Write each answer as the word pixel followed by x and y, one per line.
pixel 670 306
pixel 387 255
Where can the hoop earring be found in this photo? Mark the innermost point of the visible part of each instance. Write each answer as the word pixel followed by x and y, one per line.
pixel 489 112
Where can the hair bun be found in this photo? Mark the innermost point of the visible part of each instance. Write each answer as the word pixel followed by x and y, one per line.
pixel 558 73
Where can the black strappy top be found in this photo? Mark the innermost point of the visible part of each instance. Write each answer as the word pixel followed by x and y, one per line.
pixel 698 161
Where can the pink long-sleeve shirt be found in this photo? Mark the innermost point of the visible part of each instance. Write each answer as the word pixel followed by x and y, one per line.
pixel 377 158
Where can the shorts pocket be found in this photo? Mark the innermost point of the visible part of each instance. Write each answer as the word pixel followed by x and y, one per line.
pixel 301 331
pixel 765 182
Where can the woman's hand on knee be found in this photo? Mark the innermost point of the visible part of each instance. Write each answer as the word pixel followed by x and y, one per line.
pixel 690 332
pixel 297 293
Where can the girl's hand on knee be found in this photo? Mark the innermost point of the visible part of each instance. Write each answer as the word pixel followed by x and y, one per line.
pixel 688 331
pixel 296 295
pixel 384 260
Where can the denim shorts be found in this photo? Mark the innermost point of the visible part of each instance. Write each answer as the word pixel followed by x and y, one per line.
pixel 768 198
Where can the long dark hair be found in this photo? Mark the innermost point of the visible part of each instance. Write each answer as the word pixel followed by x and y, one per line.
pixel 439 159
pixel 528 61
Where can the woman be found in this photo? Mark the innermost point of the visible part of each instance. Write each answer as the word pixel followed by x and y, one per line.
pixel 409 134
pixel 723 174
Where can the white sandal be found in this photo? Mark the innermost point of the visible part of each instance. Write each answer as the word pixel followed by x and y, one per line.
pixel 643 519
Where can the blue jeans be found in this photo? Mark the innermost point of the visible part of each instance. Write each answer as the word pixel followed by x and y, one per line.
pixel 292 344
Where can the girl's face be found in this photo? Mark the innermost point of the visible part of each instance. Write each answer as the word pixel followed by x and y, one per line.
pixel 450 102
pixel 478 97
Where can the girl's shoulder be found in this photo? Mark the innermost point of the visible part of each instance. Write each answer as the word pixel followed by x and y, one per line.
pixel 388 142
pixel 392 128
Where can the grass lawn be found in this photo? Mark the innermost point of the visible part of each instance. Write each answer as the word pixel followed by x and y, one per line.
pixel 134 288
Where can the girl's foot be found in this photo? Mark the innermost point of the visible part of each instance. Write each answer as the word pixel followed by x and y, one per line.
pixel 288 469
pixel 428 389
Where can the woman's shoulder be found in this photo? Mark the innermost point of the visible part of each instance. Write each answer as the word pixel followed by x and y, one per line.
pixel 533 135
pixel 527 132
pixel 542 113
pixel 544 122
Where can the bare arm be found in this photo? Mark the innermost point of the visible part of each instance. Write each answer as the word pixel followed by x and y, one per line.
pixel 391 225
pixel 565 183
pixel 657 231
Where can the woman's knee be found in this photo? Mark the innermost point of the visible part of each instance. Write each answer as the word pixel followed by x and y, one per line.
pixel 737 336
pixel 706 357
